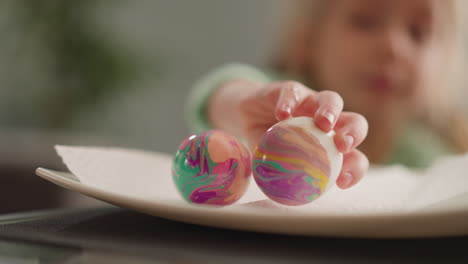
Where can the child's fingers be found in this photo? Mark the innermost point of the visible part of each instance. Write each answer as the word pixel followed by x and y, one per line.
pixel 307 107
pixel 324 107
pixel 329 107
pixel 290 94
pixel 355 166
pixel 351 129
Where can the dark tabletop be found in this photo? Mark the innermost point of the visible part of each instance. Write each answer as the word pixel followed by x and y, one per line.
pixel 112 234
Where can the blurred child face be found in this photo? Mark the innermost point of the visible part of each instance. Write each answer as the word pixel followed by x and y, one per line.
pixel 380 55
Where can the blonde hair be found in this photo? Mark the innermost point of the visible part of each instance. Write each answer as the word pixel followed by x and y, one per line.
pixel 448 117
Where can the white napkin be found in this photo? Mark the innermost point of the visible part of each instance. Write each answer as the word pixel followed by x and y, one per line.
pixel 147 175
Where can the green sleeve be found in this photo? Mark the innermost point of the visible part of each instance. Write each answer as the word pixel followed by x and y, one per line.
pixel 419 147
pixel 207 85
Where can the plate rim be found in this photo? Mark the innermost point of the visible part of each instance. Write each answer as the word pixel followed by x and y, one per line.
pixel 250 219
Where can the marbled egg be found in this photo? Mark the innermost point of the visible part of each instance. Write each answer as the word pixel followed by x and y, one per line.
pixel 211 168
pixel 294 162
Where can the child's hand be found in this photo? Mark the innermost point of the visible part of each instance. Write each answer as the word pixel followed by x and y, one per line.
pixel 277 101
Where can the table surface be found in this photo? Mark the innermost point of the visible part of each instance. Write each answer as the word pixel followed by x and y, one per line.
pixel 115 235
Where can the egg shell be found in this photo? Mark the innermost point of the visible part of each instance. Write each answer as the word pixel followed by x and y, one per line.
pixel 295 163
pixel 211 168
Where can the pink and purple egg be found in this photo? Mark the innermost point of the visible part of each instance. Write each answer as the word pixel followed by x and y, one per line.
pixel 294 162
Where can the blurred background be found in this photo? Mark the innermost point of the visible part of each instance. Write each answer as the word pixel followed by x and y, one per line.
pixel 109 73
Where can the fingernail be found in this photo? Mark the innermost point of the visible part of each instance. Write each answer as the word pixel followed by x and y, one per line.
pixel 347 178
pixel 349 142
pixel 284 113
pixel 329 116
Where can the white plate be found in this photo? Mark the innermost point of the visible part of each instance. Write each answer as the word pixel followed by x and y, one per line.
pixel 252 217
